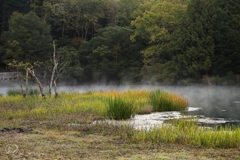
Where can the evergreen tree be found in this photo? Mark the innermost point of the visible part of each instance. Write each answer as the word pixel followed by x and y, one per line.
pixel 226 36
pixel 28 39
pixel 192 44
pixel 112 56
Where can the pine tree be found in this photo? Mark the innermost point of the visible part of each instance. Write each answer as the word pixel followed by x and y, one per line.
pixel 28 39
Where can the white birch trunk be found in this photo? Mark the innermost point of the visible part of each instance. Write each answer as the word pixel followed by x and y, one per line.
pixel 55 64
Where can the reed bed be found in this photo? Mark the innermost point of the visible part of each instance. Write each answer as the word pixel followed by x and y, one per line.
pixel 185 131
pixel 118 108
pixel 108 104
pixel 164 101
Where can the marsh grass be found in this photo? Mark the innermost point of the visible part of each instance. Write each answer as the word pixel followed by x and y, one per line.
pixel 122 106
pixel 187 131
pixel 119 109
pixel 118 105
pixel 164 101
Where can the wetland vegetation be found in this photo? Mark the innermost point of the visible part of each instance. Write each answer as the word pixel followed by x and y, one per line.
pixel 73 126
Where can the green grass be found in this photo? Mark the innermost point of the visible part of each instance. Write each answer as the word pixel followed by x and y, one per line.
pixel 119 109
pixel 187 131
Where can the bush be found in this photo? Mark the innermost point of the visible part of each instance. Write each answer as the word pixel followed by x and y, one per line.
pixel 119 109
pixel 163 101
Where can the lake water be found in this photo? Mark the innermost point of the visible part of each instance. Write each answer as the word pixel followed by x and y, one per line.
pixel 213 105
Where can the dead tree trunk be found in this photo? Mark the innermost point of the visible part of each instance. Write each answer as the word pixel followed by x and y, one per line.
pixel 55 64
pixel 55 88
pixel 26 93
pixel 31 73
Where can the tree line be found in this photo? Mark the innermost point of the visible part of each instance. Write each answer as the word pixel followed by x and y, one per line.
pixel 125 41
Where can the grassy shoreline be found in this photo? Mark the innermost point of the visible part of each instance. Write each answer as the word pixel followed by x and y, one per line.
pixel 41 130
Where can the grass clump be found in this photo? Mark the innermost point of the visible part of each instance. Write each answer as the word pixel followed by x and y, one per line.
pixel 14 92
pixel 119 109
pixel 18 91
pixel 164 101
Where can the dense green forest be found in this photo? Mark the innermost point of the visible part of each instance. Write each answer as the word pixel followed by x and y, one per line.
pixel 125 41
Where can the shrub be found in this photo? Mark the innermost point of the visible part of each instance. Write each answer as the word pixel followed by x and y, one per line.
pixel 119 109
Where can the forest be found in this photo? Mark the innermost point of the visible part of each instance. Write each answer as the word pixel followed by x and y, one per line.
pixel 123 41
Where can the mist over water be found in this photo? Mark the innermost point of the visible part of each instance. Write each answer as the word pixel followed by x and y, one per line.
pixel 216 104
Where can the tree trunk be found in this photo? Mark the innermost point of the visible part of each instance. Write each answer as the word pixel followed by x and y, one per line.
pixel 55 88
pixel 55 64
pixel 26 93
pixel 31 73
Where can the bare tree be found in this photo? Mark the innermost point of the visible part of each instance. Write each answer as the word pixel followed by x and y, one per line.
pixel 55 64
pixel 29 72
pixel 60 62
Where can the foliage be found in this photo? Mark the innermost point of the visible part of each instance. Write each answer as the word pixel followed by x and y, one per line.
pixel 28 39
pixel 226 37
pixel 154 23
pixel 79 17
pixel 111 54
pixel 192 43
pixel 69 66
pixel 126 41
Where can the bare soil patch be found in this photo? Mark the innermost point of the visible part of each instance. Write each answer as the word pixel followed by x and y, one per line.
pixel 15 130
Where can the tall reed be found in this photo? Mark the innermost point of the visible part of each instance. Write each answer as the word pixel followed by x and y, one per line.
pixel 164 101
pixel 119 109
